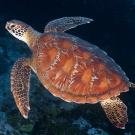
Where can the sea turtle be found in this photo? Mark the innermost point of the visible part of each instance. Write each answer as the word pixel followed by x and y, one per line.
pixel 69 67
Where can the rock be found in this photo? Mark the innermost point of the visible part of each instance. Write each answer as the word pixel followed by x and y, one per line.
pixel 14 132
pixel 4 128
pixel 82 123
pixel 96 131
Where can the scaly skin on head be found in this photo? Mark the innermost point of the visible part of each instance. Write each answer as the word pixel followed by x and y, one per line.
pixel 22 31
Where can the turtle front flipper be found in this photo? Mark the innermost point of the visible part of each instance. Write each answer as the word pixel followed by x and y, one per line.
pixel 65 23
pixel 116 111
pixel 20 77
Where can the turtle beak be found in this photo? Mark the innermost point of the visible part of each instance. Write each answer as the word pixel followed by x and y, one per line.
pixel 7 24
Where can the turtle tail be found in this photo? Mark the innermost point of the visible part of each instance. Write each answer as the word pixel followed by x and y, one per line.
pixel 132 85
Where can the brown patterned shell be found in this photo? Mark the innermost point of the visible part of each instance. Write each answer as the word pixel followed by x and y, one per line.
pixel 75 70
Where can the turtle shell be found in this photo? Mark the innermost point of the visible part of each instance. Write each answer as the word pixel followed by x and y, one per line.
pixel 75 70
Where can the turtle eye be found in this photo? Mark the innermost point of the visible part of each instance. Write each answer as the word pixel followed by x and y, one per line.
pixel 11 26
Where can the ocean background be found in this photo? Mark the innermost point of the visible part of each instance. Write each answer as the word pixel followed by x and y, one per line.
pixel 113 30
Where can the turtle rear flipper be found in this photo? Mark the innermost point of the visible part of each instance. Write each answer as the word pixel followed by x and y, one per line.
pixel 116 111
pixel 20 77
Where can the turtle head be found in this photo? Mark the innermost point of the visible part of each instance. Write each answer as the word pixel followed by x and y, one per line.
pixel 17 29
pixel 22 31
